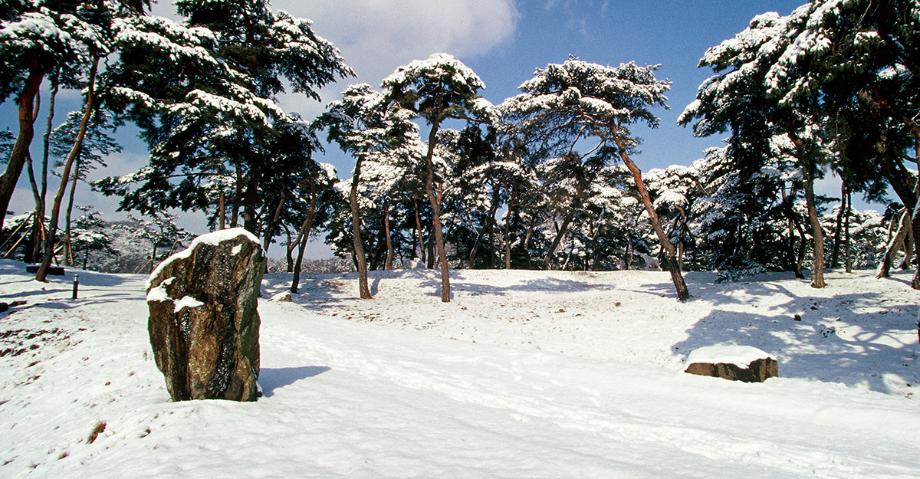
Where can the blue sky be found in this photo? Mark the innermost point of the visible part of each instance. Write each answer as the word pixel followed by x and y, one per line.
pixel 503 41
pixel 674 34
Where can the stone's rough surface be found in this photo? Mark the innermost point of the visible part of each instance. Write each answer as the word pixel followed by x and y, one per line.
pixel 736 363
pixel 204 322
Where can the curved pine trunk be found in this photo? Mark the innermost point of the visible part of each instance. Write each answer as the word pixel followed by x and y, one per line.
pixel 838 226
pixel 388 265
pixel 677 277
pixel 793 227
pixel 364 290
pixel 847 260
pixel 33 248
pixel 42 273
pixel 894 244
pixel 915 220
pixel 40 206
pixel 563 229
pixel 303 237
pixel 419 234
pixel 434 197
pixel 17 157
pixel 68 240
pixel 817 231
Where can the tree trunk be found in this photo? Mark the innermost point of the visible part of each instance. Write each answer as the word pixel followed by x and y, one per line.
pixel 682 227
pixel 238 195
pixel 568 257
pixel 33 248
pixel 793 226
pixel 288 250
pixel 388 265
pixel 430 257
pixel 32 244
pixel 908 250
pixel 46 147
pixel 222 210
pixel 487 228
pixel 595 254
pixel 434 197
pixel 847 260
pixel 915 220
pixel 42 273
pixel 303 237
pixel 358 243
pixel 817 232
pixel 506 228
pixel 899 181
pixel 270 228
pixel 251 200
pixel 626 256
pixel 26 132
pixel 68 240
pixel 525 245
pixel 295 278
pixel 673 267
pixel 419 234
pixel 894 244
pixel 548 259
pixel 835 254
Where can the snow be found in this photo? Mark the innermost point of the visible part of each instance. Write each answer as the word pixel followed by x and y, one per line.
pixel 670 197
pixel 441 65
pixel 741 356
pixel 187 302
pixel 213 239
pixel 159 293
pixel 524 374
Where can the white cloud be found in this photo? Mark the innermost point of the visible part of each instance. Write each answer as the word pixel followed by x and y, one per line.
pixel 376 36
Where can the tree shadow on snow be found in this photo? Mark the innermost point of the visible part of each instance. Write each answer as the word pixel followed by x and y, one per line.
pixel 831 342
pixel 271 379
pixel 537 285
pixel 313 288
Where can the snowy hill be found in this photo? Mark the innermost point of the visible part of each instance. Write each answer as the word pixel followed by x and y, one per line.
pixel 524 374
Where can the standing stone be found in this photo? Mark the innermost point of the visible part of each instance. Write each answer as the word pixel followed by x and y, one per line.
pixel 204 325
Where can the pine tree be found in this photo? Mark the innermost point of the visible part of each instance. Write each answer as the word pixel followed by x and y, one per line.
pixel 740 97
pixel 437 89
pixel 37 38
pixel 363 124
pixel 90 236
pixel 101 19
pixel 207 105
pixel 565 103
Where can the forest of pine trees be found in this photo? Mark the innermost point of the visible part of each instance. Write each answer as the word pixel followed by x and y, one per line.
pixel 547 179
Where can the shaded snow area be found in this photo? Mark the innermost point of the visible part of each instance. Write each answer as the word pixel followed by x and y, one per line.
pixel 524 374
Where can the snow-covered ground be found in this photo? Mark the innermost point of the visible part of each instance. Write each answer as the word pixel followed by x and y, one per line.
pixel 524 374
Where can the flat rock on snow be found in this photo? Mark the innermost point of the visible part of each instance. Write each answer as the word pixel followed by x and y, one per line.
pixel 740 356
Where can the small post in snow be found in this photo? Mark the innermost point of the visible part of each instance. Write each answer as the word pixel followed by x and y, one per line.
pixel 76 284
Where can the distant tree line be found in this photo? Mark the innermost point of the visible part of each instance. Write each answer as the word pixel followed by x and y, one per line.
pixel 445 179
